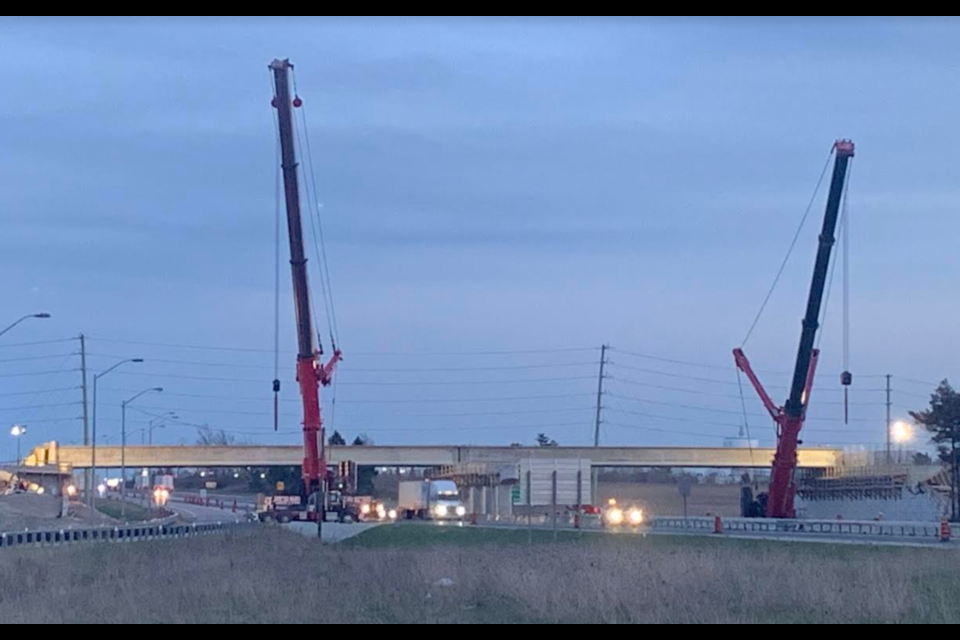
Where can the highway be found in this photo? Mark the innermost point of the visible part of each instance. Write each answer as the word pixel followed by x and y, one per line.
pixel 204 514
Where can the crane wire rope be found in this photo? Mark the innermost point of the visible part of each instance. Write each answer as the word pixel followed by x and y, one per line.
pixel 793 244
pixel 276 267
pixel 316 223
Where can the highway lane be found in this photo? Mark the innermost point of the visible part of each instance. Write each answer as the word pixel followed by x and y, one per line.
pixel 204 514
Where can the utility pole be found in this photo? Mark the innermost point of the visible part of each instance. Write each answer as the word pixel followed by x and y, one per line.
pixel 86 416
pixel 596 426
pixel 889 407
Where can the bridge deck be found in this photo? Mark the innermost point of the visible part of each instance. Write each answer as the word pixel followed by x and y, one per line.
pixel 420 456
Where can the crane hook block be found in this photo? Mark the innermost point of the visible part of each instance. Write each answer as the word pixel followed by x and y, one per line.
pixel 846 378
pixel 276 386
pixel 297 102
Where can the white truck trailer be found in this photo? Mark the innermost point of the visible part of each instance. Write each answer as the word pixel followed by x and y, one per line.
pixel 430 500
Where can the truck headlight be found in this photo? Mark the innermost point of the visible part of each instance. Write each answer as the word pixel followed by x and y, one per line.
pixel 461 511
pixel 636 517
pixel 365 509
pixel 441 511
pixel 392 514
pixel 615 516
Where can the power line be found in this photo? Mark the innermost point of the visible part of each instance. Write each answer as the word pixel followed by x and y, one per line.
pixel 31 358
pixel 170 345
pixel 348 369
pixel 672 375
pixel 724 411
pixel 656 430
pixel 41 406
pixel 674 418
pixel 358 383
pixel 12 345
pixel 265 399
pixel 553 425
pixel 403 414
pixel 49 420
pixel 687 363
pixel 36 373
pixel 31 393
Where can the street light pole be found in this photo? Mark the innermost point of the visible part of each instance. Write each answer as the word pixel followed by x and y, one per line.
pixel 91 491
pixel 17 432
pixel 123 447
pixel 42 316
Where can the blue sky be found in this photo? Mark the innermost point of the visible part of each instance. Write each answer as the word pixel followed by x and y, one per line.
pixel 486 186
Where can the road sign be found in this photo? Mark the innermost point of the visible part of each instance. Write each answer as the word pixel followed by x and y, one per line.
pixel 515 495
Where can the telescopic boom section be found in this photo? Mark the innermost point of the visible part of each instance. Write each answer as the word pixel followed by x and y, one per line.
pixel 790 417
pixel 310 374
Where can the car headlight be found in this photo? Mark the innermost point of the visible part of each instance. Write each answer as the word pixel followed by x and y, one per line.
pixel 392 514
pixel 636 517
pixel 615 516
pixel 461 511
pixel 441 510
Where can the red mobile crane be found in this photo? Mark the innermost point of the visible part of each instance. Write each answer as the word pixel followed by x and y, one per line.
pixel 311 373
pixel 789 418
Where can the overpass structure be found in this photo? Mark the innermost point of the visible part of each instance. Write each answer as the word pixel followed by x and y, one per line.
pixel 79 457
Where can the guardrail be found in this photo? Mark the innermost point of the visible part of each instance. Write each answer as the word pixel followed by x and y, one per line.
pixel 817 527
pixel 116 535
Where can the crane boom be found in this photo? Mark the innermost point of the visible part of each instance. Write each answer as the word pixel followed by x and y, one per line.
pixel 790 417
pixel 310 373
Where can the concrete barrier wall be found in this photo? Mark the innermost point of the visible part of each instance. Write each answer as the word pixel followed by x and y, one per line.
pixel 833 528
pixel 127 533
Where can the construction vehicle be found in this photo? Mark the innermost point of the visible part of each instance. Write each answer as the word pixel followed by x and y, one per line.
pixel 311 373
pixel 430 500
pixel 789 418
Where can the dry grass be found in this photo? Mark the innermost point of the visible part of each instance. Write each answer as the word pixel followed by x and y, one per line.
pixel 270 576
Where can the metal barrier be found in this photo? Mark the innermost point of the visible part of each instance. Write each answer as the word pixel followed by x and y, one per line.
pixel 117 534
pixel 817 527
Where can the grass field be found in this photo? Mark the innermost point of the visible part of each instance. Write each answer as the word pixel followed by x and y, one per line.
pixel 394 574
pixel 133 512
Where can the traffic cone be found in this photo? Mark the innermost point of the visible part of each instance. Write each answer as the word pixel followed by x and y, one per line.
pixel 944 530
pixel 717 525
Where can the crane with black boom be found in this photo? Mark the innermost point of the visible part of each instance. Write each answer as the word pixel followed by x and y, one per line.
pixel 790 417
pixel 311 373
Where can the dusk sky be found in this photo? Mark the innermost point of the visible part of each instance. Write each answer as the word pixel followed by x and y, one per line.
pixel 499 198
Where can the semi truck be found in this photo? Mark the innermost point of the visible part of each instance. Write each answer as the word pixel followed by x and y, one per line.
pixel 162 489
pixel 430 500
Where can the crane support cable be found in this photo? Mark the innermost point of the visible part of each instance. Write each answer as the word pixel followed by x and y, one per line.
pixel 276 276
pixel 319 241
pixel 310 205
pixel 793 244
pixel 746 421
